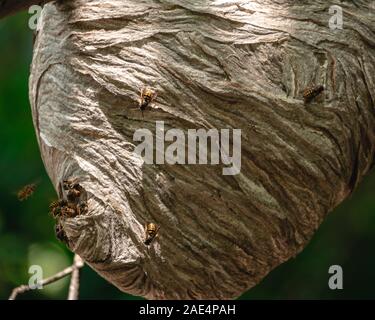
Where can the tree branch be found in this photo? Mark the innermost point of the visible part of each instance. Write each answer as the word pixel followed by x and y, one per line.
pixel 10 7
pixel 74 281
pixel 74 268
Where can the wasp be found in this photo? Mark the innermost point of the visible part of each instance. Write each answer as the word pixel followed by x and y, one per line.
pixel 63 208
pixel 56 206
pixel 26 191
pixel 74 190
pixel 311 93
pixel 147 96
pixel 82 208
pixel 70 184
pixel 151 231
pixel 69 211
pixel 60 233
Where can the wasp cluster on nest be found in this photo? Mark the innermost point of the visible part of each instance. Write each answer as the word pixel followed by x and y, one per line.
pixel 72 204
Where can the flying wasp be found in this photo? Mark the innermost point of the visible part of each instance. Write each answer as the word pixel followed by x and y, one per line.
pixel 151 231
pixel 311 93
pixel 147 96
pixel 26 191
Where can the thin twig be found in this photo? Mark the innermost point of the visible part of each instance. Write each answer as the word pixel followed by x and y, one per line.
pixel 24 288
pixel 74 281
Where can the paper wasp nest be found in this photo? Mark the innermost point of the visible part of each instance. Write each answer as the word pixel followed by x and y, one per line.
pixel 214 64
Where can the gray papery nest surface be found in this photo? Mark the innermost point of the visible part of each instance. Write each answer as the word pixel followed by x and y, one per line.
pixel 214 64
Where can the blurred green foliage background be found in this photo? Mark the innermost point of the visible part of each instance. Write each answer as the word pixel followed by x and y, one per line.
pixel 346 238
